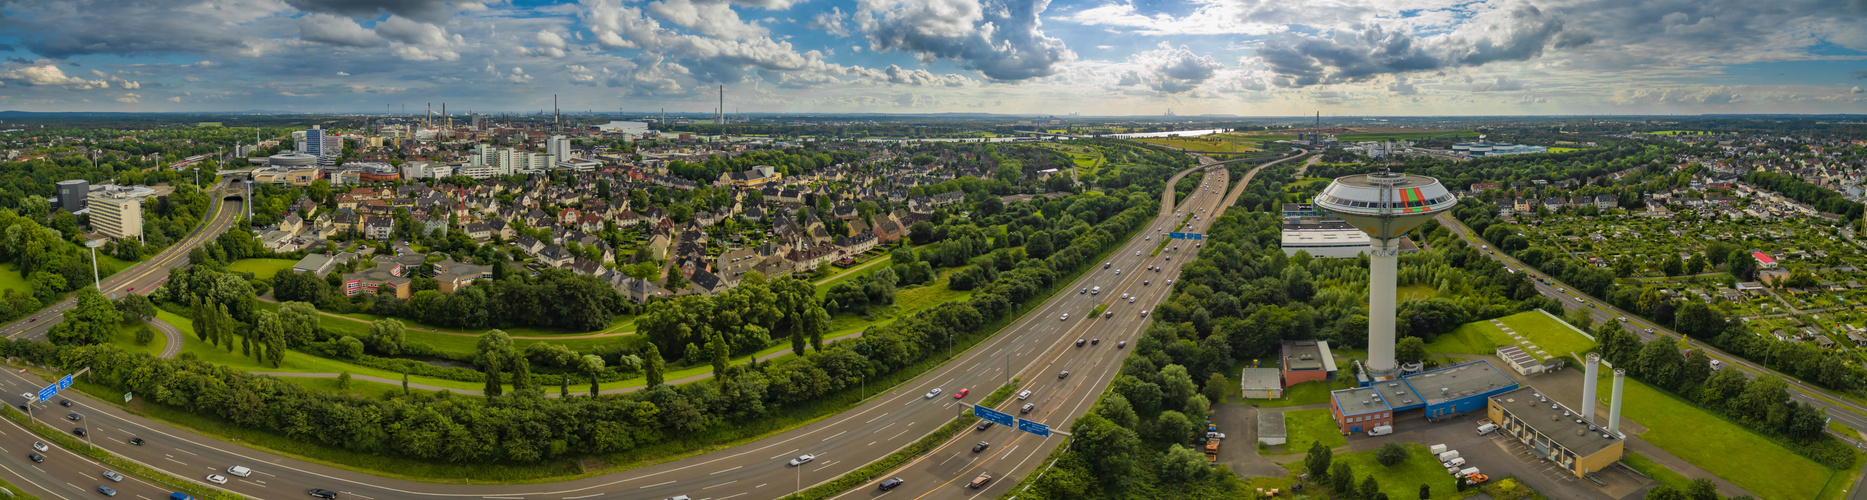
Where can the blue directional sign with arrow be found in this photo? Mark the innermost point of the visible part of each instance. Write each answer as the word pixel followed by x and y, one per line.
pixel 52 390
pixel 991 415
pixel 1033 427
pixel 1187 236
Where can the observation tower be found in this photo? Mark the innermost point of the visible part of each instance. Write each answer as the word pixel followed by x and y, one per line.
pixel 1385 205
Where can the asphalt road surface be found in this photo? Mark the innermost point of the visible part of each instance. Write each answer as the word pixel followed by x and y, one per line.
pixel 1037 347
pixel 137 279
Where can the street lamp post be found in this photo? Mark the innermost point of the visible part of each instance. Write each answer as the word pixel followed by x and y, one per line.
pixel 93 244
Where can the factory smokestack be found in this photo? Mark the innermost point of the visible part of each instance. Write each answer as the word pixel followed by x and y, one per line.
pixel 1592 371
pixel 1614 402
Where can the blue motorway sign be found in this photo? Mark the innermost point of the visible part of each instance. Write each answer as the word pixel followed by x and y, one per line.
pixel 64 382
pixel 1033 427
pixel 47 393
pixel 1187 236
pixel 991 415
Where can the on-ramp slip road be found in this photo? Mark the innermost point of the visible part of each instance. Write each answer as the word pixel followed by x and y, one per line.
pixel 1036 347
pixel 137 279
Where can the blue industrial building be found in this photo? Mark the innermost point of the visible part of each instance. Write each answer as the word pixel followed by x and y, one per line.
pixel 1453 390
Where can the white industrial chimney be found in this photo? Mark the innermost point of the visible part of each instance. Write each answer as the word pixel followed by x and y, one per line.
pixel 1591 369
pixel 1614 403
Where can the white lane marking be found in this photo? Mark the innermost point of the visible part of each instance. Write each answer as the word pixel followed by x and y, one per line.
pixel 730 496
pixel 782 455
pixel 721 484
pixel 760 485
pixel 267 473
pixel 657 484
pixel 374 498
pixel 877 417
pixel 727 470
pixel 871 443
pixel 252 483
pixel 834 436
pixel 898 434
pixel 177 461
pixel 505 498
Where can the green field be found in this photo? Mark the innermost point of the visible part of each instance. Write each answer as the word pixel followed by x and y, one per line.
pixel 1304 427
pixel 1480 337
pixel 1307 393
pixel 1721 446
pixel 1217 143
pixel 294 361
pixel 1383 136
pixel 1562 150
pixel 1656 471
pixel 10 279
pixel 261 268
pixel 126 337
pixel 1403 480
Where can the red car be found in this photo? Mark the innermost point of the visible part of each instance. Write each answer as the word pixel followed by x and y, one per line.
pixel 962 393
pixel 132 289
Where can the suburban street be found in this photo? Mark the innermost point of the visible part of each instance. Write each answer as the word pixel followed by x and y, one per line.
pixel 1037 347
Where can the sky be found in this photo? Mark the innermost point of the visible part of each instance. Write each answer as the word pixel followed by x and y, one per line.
pixel 1090 57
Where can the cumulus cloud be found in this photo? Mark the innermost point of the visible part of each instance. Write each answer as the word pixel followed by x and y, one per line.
pixel 1353 56
pixel 64 29
pixel 411 32
pixel 999 38
pixel 334 30
pixel 1856 90
pixel 831 21
pixel 1499 84
pixel 430 11
pixel 1402 86
pixel 175 99
pixel 713 18
pixel 128 98
pixel 550 44
pixel 1169 69
pixel 47 74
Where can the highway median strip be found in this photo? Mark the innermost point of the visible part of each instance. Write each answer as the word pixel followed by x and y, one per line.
pixel 908 453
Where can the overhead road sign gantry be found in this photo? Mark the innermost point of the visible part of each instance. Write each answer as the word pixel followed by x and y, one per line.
pixel 993 416
pixel 1033 427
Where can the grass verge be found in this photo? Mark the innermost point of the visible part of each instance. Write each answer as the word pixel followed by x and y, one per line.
pixel 1656 471
pixel 1402 480
pixel 1311 426
pixel 1306 393
pixel 1723 447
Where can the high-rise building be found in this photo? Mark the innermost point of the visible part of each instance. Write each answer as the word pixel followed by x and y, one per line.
pixel 314 142
pixel 558 146
pixel 116 213
pixel 72 194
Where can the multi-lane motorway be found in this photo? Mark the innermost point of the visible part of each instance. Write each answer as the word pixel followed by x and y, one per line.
pixel 139 279
pixel 1037 348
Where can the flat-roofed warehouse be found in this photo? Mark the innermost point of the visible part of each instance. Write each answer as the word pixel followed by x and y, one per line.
pixel 1554 432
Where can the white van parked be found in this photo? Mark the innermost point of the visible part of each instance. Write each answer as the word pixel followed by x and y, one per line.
pixel 1381 430
pixel 1456 462
pixel 1486 429
pixel 1448 456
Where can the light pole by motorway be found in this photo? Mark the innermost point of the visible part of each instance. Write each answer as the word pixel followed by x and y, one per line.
pixel 93 244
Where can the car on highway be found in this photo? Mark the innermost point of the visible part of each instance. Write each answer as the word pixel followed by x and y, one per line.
pixel 1026 409
pixel 136 441
pixel 932 393
pixel 37 445
pixel 1108 314
pixel 1121 344
pixel 240 470
pixel 107 491
pixel 80 432
pixel 65 403
pixel 1024 395
pixel 1064 375
pixel 36 458
pixel 1118 272
pixel 1083 291
pixel 1623 319
pixel 1143 313
pixel 74 417
pixel 216 479
pixel 962 393
pixel 1131 299
pixel 1145 282
pixel 132 289
pixel 1169 281
pixel 1080 342
pixel 1095 341
pixel 802 459
pixel 983 425
pixel 323 493
pixel 1105 265
pixel 979 482
pixel 1559 290
pixel 891 483
pixel 1649 330
pixel 1066 317
pixel 113 476
pixel 981 446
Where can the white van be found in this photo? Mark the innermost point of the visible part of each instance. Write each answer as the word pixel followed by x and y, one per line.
pixel 1468 472
pixel 1486 429
pixel 1715 364
pixel 1448 456
pixel 1437 449
pixel 1456 462
pixel 240 470
pixel 1381 430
